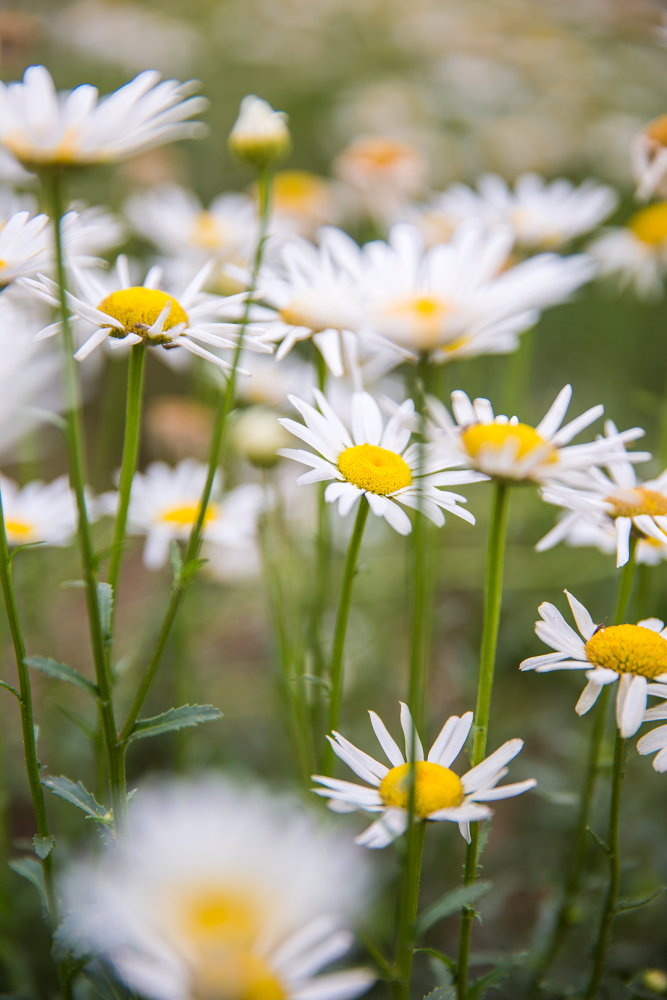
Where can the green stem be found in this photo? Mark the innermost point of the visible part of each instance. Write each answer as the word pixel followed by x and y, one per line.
pixel 336 673
pixel 493 589
pixel 225 403
pixel 407 914
pixel 75 453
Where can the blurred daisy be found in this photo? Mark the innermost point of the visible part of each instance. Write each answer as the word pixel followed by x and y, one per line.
pixel 507 449
pixel 164 504
pixel 129 313
pixel 375 462
pixel 39 512
pixel 439 793
pixel 614 504
pixel 224 893
pixel 42 128
pixel 301 203
pixel 583 533
pixel 648 155
pixel 386 174
pixel 636 254
pixel 634 655
pixel 657 738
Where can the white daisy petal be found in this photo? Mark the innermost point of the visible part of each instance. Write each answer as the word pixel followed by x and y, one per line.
pixel 478 777
pixel 585 623
pixel 504 792
pixel 451 740
pixel 412 741
pixel 630 704
pixel 389 746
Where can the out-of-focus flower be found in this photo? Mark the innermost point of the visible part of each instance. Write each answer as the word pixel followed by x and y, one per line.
pixel 258 436
pixel 649 743
pixel 635 655
pixel 39 512
pixel 260 136
pixel 302 202
pixel 648 154
pixel 636 254
pixel 375 462
pixel 439 793
pixel 44 129
pixel 25 246
pixel 612 506
pixel 507 449
pixel 223 893
pixel 164 504
pixel 129 314
pixel 179 426
pixel 542 216
pixel 655 979
pixel 387 173
pixel 92 230
pixel 271 382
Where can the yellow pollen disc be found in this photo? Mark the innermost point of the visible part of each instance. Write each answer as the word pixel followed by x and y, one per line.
pixel 224 916
pixel 632 503
pixel 206 232
pixel 436 788
pixel 185 516
pixel 629 649
pixel 297 190
pixel 234 976
pixel 18 529
pixel 649 224
pixel 139 308
pixel 495 436
pixel 374 469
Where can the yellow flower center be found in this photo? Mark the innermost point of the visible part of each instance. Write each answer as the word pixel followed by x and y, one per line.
pixel 298 191
pixel 185 516
pixel 234 976
pixel 224 916
pixel 138 308
pixel 632 503
pixel 18 530
pixel 207 232
pixel 629 649
pixel 374 469
pixel 649 224
pixel 436 787
pixel 494 437
pixel 418 319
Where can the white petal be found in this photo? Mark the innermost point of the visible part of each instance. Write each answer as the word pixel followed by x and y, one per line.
pixel 631 704
pixel 582 617
pixel 411 736
pixel 366 419
pixel 504 792
pixel 623 526
pixel 450 742
pixel 389 746
pixel 588 698
pixel 555 415
pixel 481 775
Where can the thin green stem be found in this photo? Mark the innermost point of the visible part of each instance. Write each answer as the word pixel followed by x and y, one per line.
pixel 493 589
pixel 338 649
pixel 218 440
pixel 408 905
pixel 74 434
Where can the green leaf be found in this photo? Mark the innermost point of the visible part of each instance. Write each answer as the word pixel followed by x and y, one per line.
pixel 175 718
pixel 635 904
pixel 176 559
pixel 77 795
pixel 600 842
pixel 43 845
pixel 190 569
pixel 10 688
pixel 442 993
pixel 31 869
pixel 62 673
pixel 501 971
pixel 441 957
pixel 105 603
pixel 20 548
pixel 448 904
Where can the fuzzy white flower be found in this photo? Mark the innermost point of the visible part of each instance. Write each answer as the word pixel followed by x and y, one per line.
pixel 636 253
pixel 43 129
pixel 224 892
pixel 505 448
pixel 129 314
pixel 260 135
pixel 164 503
pixel 39 512
pixel 634 655
pixel 375 462
pixel 439 793
pixel 648 156
pixel 301 203
pixel 384 172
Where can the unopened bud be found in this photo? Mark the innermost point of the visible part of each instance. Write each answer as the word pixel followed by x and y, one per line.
pixel 257 436
pixel 260 135
pixel 654 980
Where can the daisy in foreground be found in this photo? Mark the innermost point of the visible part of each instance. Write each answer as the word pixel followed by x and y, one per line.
pixel 129 313
pixel 375 462
pixel 635 655
pixel 254 912
pixel 39 512
pixel 439 793
pixel 505 448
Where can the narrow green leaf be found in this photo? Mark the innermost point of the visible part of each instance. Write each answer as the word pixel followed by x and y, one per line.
pixel 190 569
pixel 440 956
pixel 599 841
pixel 43 845
pixel 77 795
pixel 20 548
pixel 31 869
pixel 501 971
pixel 77 720
pixel 448 904
pixel 105 603
pixel 62 673
pixel 175 718
pixel 8 687
pixel 635 904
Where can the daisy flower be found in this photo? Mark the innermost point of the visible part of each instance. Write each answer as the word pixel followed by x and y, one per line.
pixel 614 504
pixel 505 448
pixel 648 156
pixel 129 313
pixel 39 512
pixel 375 462
pixel 582 533
pixel 43 128
pixel 386 173
pixel 301 203
pixel 636 253
pixel 439 793
pixel 224 892
pixel 634 655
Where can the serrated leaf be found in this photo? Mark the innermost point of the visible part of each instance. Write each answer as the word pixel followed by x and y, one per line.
pixel 175 718
pixel 77 795
pixel 442 993
pixel 191 568
pixel 501 971
pixel 31 869
pixel 104 604
pixel 448 904
pixel 43 845
pixel 62 673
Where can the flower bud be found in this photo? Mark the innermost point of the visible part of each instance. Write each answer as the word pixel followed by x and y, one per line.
pixel 654 980
pixel 257 436
pixel 260 135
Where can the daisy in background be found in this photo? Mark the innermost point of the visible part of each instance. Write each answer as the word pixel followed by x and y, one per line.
pixel 375 462
pixel 129 313
pixel 384 174
pixel 605 507
pixel 636 253
pixel 42 128
pixel 39 512
pixel 224 892
pixel 439 793
pixel 648 156
pixel 634 655
pixel 543 216
pixel 505 448
pixel 302 202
